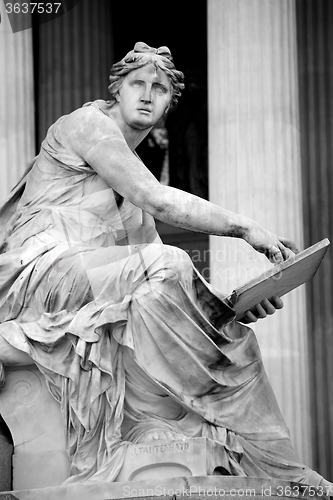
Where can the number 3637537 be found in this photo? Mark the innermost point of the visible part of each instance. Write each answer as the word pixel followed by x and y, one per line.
pixel 31 7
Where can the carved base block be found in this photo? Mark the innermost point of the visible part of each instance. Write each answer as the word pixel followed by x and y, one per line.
pixel 34 419
pixel 181 458
pixel 40 458
pixel 37 470
pixel 179 488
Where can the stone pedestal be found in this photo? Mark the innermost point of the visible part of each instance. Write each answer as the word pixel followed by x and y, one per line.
pixel 194 488
pixel 40 458
pixel 195 468
pixel 254 169
pixel 183 458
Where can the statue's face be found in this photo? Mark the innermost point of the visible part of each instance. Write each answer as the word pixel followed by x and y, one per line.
pixel 144 96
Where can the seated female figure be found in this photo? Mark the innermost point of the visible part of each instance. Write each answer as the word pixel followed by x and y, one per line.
pixel 133 342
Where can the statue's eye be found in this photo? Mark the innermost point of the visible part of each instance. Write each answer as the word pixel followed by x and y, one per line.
pixel 160 89
pixel 137 83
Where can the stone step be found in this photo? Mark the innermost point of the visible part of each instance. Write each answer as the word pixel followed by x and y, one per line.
pixel 178 488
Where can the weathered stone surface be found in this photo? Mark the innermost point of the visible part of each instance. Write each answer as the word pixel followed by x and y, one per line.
pixel 162 459
pixel 212 487
pixel 33 416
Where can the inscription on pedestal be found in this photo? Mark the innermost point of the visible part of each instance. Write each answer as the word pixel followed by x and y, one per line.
pixel 136 451
pixel 163 459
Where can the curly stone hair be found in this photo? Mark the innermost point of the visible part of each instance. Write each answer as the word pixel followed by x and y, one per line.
pixel 141 55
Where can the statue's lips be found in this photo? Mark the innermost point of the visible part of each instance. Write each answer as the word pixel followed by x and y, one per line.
pixel 144 110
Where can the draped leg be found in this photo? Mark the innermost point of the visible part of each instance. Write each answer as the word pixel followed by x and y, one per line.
pixel 134 335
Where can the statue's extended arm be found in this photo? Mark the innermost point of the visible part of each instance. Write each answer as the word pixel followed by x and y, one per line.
pixel 102 145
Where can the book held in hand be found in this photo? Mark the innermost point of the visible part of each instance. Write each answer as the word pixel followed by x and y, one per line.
pixel 279 280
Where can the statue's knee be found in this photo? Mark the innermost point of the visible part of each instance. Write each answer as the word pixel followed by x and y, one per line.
pixel 9 355
pixel 177 260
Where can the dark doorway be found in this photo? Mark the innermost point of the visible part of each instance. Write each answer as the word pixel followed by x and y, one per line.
pixel 182 26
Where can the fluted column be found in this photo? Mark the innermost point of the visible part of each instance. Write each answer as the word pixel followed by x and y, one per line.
pixel 254 169
pixel 315 62
pixel 74 56
pixel 17 133
pixel 17 146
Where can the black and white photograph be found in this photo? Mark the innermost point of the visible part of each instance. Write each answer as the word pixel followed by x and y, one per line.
pixel 166 271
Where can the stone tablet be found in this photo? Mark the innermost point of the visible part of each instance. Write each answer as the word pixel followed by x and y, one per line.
pixel 279 280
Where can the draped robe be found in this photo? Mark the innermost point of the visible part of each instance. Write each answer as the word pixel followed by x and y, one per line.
pixel 129 336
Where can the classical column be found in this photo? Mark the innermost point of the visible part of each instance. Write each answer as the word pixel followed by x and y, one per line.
pixel 17 147
pixel 315 63
pixel 17 133
pixel 254 169
pixel 74 55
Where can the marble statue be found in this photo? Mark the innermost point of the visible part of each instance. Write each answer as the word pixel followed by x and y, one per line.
pixel 133 343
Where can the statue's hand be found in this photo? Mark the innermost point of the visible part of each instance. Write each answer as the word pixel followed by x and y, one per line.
pixel 265 308
pixel 275 248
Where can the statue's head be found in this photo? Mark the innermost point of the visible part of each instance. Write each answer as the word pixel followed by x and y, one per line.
pixel 140 56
